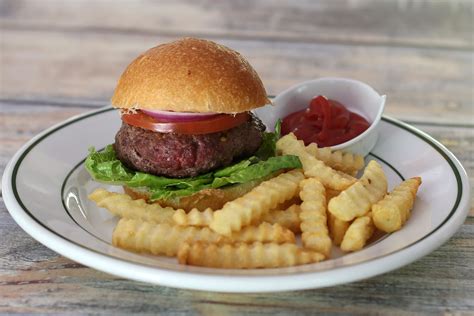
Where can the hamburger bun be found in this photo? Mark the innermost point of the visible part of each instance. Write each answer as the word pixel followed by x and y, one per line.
pixel 190 75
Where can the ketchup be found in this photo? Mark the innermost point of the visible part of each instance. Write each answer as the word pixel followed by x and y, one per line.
pixel 325 122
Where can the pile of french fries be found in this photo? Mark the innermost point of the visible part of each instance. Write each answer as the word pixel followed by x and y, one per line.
pixel 323 203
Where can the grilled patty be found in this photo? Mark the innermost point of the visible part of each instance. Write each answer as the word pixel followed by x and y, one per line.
pixel 181 155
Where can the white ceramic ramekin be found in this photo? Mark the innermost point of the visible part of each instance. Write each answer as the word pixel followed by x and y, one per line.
pixel 357 96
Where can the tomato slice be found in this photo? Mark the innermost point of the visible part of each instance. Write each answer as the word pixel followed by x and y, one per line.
pixel 213 124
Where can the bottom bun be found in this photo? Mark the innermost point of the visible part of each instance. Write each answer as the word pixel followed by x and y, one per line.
pixel 207 198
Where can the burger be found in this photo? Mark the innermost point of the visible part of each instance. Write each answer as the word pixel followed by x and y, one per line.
pixel 188 137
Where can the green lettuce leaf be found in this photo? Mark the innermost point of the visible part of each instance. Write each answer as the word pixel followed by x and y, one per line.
pixel 268 147
pixel 258 170
pixel 227 171
pixel 104 166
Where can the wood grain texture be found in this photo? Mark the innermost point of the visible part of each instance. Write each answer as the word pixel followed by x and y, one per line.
pixel 41 281
pixel 424 23
pixel 430 83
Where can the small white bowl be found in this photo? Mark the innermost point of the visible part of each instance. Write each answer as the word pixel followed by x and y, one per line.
pixel 357 96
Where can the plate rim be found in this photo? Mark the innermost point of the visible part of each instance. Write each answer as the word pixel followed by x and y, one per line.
pixel 240 283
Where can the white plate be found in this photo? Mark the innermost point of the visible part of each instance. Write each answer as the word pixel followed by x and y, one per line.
pixel 45 187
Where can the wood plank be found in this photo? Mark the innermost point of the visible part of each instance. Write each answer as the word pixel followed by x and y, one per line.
pixel 431 84
pixel 34 279
pixel 434 23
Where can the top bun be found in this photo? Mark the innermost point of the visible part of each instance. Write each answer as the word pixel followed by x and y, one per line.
pixel 190 75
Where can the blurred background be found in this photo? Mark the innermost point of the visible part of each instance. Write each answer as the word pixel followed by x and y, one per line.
pixel 418 52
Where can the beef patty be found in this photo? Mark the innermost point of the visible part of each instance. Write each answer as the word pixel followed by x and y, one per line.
pixel 181 155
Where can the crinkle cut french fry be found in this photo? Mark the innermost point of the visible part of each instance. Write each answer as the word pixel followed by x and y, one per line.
pixel 313 167
pixel 315 234
pixel 289 218
pixel 390 213
pixel 193 218
pixel 265 232
pixel 337 228
pixel 157 239
pixel 343 161
pixel 357 200
pixel 123 205
pixel 164 239
pixel 255 204
pixel 245 256
pixel 360 230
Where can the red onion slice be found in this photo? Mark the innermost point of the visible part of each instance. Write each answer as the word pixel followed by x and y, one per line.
pixel 170 116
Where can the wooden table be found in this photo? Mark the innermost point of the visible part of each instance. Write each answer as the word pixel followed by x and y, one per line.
pixel 61 58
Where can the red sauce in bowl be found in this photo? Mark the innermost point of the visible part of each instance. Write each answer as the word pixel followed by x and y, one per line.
pixel 325 122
